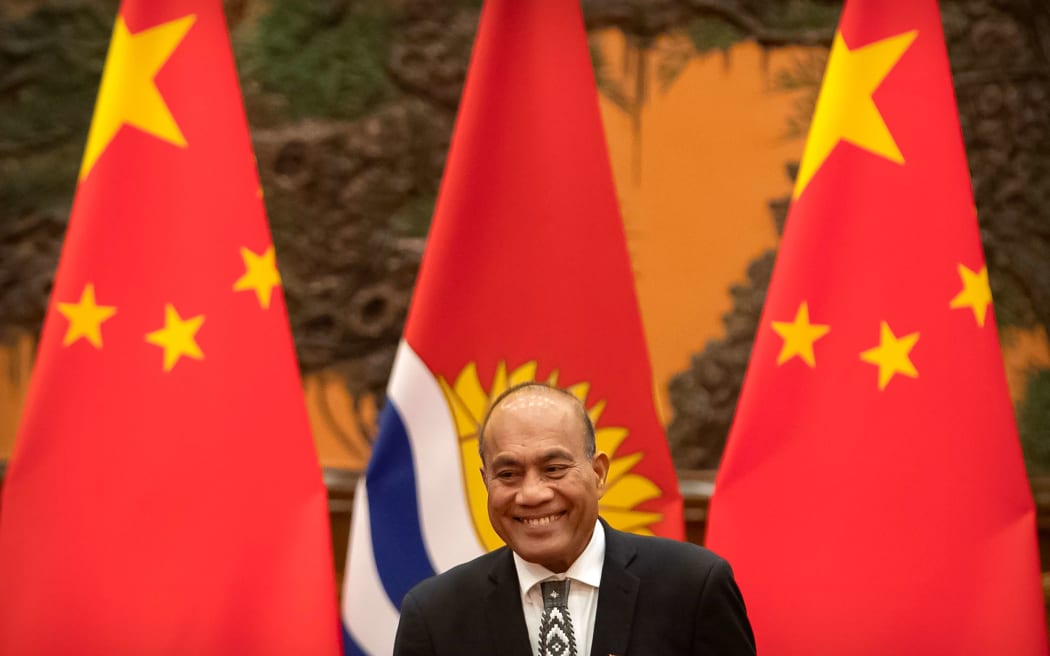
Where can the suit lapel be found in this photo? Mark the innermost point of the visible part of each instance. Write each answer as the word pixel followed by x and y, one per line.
pixel 616 597
pixel 503 612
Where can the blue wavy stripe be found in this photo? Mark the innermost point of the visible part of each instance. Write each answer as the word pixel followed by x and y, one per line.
pixel 350 647
pixel 397 539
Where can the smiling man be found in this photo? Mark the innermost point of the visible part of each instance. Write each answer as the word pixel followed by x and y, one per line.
pixel 568 584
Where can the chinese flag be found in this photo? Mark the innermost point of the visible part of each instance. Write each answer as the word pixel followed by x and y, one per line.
pixel 526 276
pixel 872 498
pixel 164 496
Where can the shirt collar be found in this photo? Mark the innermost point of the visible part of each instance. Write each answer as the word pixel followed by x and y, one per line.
pixel 587 568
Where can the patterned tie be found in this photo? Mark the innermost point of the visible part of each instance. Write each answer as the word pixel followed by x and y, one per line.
pixel 556 635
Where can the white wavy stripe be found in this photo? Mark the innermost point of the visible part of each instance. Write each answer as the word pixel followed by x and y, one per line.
pixel 447 527
pixel 367 611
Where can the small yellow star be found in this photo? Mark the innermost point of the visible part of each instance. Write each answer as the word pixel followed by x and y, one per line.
pixel 85 318
pixel 845 109
pixel 975 294
pixel 177 337
pixel 128 94
pixel 799 336
pixel 891 355
pixel 260 275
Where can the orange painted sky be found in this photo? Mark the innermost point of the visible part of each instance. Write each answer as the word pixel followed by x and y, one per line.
pixel 712 154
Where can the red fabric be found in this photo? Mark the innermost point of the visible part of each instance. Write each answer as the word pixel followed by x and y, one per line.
pixel 894 521
pixel 178 512
pixel 527 258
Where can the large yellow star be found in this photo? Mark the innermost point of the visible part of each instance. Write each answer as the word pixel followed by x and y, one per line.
pixel 845 110
pixel 128 94
pixel 891 355
pixel 799 336
pixel 85 318
pixel 975 294
pixel 177 337
pixel 260 275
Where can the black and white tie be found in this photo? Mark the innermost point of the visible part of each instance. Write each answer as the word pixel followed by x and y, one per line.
pixel 556 635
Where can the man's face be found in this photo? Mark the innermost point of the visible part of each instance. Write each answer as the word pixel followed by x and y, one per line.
pixel 543 491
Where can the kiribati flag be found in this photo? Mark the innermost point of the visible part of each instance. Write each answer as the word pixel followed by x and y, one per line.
pixel 526 277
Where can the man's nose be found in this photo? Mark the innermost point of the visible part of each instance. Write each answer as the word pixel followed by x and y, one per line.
pixel 534 490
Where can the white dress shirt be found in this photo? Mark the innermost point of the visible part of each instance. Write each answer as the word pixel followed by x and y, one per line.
pixel 586 576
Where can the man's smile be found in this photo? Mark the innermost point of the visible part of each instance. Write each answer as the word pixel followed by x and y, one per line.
pixel 540 522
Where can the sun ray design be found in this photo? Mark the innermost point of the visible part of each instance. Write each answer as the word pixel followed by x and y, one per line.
pixel 469 401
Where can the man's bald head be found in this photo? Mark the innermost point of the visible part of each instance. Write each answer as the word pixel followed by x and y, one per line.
pixel 521 392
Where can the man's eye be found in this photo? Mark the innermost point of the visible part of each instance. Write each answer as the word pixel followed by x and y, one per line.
pixel 505 475
pixel 556 470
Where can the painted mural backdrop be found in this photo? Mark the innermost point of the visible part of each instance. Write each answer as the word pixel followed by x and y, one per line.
pixel 705 107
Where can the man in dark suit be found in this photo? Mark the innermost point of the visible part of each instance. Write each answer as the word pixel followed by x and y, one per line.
pixel 568 584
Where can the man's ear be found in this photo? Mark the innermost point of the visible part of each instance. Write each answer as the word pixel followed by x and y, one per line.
pixel 600 463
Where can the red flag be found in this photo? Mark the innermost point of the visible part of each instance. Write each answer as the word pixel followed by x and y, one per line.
pixel 526 276
pixel 164 495
pixel 527 260
pixel 872 497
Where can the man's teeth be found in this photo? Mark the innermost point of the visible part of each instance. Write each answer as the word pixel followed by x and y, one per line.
pixel 539 521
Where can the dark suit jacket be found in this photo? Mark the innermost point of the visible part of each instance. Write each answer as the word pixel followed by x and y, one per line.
pixel 657 597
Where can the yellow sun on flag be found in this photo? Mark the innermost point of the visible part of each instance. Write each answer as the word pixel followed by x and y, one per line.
pixel 469 401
